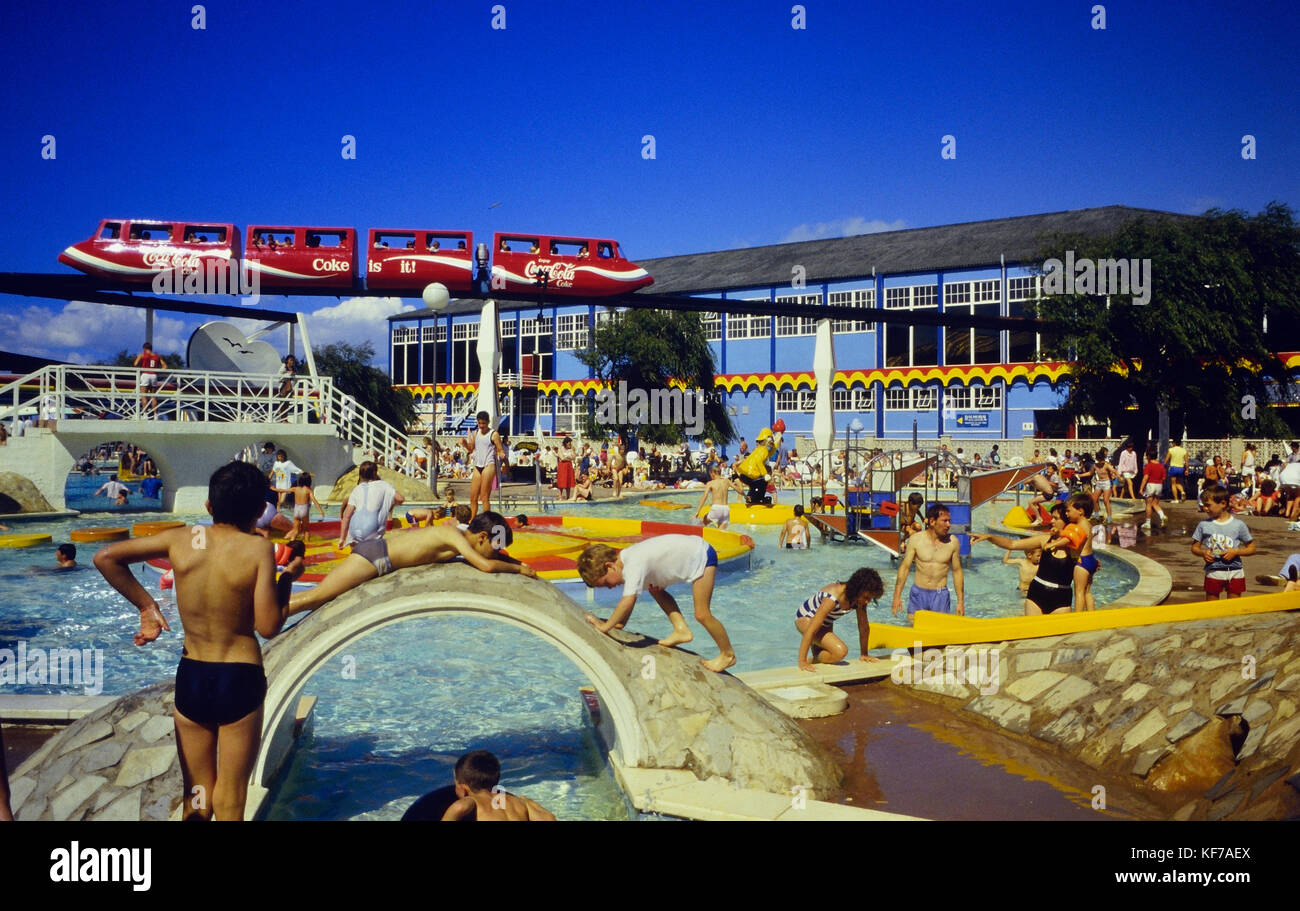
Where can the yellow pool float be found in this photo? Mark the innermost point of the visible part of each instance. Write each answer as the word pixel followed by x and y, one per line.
pixel 947 629
pixel 23 540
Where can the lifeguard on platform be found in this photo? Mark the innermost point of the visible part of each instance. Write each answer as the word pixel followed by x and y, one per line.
pixel 753 471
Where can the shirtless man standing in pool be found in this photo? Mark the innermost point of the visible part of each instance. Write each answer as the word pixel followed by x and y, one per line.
pixel 935 552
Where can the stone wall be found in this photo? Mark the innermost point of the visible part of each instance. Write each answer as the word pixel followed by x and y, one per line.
pixel 23 492
pixel 1204 712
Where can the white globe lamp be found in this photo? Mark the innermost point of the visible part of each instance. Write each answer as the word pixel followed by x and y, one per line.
pixel 436 296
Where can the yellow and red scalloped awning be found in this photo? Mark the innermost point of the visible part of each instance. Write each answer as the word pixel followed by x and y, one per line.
pixel 966 375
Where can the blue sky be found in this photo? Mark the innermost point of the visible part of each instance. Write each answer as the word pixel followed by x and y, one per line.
pixel 762 132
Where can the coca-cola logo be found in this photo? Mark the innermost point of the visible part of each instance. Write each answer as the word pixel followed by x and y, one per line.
pixel 172 259
pixel 559 273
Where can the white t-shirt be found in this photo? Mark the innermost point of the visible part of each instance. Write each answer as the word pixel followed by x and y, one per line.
pixel 663 561
pixel 1289 476
pixel 371 502
pixel 282 473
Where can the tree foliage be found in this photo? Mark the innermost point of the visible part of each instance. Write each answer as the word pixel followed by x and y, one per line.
pixel 649 349
pixel 350 367
pixel 1199 347
pixel 124 358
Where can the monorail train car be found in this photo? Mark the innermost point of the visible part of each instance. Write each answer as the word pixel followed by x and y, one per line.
pixel 400 259
pixel 564 265
pixel 324 258
pixel 135 250
pixel 300 257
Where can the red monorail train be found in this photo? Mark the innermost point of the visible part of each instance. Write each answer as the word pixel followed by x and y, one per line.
pixel 135 250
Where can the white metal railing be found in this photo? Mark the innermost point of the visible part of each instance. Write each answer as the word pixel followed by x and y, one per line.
pixel 115 393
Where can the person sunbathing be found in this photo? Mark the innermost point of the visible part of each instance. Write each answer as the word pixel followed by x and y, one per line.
pixel 481 545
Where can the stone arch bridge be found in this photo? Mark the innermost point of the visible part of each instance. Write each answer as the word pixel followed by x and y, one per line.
pixel 120 762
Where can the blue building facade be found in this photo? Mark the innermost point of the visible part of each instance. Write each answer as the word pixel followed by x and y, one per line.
pixel 894 378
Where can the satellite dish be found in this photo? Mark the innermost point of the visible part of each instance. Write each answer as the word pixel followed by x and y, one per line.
pixel 221 347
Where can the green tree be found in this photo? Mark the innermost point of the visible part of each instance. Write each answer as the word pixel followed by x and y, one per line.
pixel 649 350
pixel 124 358
pixel 1199 347
pixel 349 365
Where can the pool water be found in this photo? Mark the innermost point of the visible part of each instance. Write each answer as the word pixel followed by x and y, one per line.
pixel 419 697
pixel 79 493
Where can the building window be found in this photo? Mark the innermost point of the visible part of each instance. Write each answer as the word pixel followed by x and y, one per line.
pixel 430 351
pixel 787 400
pixel 572 332
pixel 911 346
pixel 972 346
pixel 956 293
pixel 853 400
pixel 924 398
pixel 406 356
pixel 740 325
pixel 508 328
pixel 1022 345
pixel 607 316
pixel 1022 289
pixel 987 397
pixel 956 398
pixel 807 400
pixel 571 413
pixel 712 326
pixel 461 332
pixel 988 291
pixel 863 298
pixel 897 399
pixel 798 325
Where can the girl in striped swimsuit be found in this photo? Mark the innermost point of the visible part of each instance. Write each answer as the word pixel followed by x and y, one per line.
pixel 815 618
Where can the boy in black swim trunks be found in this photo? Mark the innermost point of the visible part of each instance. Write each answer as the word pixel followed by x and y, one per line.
pixel 226 590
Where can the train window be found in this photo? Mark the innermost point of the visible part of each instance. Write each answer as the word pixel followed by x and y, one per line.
pixel 155 233
pixel 205 234
pixel 111 231
pixel 395 240
pixel 334 238
pixel 434 242
pixel 605 250
pixel 519 245
pixel 573 248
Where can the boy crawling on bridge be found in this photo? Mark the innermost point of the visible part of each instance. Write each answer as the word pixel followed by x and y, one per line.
pixel 225 589
pixel 481 545
pixel 654 565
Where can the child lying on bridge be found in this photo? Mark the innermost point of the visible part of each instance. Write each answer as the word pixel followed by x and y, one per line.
pixel 480 545
pixel 656 564
pixel 225 590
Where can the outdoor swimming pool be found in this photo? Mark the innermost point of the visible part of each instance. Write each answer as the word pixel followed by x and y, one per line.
pixel 427 690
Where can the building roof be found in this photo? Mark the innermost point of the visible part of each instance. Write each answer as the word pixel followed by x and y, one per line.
pixel 940 249
pixel 945 248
